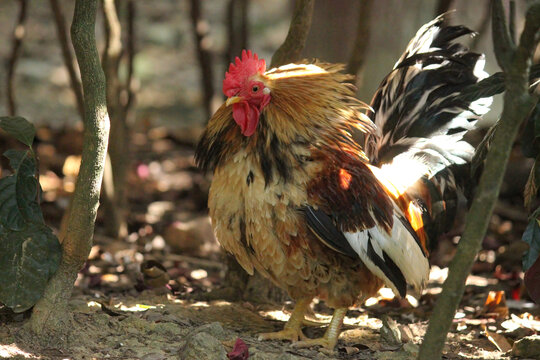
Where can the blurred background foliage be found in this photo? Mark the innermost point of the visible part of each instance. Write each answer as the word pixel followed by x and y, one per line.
pixel 168 83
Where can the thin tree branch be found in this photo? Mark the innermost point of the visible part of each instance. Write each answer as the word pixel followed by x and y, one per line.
pixel 130 53
pixel 295 41
pixel 517 105
pixel 237 28
pixel 115 174
pixel 96 130
pixel 61 30
pixel 201 32
pixel 527 43
pixel 512 21
pixel 482 28
pixel 51 314
pixel 359 51
pixel 113 51
pixel 503 46
pixel 443 6
pixel 17 40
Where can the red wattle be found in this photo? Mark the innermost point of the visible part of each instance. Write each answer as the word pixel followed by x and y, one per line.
pixel 246 116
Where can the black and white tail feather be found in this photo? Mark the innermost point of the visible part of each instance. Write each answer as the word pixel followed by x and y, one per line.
pixel 420 121
pixel 418 109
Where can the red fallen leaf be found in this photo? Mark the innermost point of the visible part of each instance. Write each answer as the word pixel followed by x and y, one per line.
pixel 532 281
pixel 239 351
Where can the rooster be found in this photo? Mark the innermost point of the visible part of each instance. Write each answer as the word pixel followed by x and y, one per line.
pixel 295 197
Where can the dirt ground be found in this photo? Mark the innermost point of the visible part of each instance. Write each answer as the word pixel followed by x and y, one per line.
pixel 119 313
pixel 160 326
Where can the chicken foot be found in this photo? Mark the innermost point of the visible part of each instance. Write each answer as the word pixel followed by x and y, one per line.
pixel 293 329
pixel 330 338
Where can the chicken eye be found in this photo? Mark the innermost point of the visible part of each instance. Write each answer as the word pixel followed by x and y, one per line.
pixel 255 88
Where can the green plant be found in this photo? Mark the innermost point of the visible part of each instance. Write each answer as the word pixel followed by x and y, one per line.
pixel 29 251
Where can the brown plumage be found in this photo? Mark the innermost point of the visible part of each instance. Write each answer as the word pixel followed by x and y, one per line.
pixel 294 197
pixel 261 183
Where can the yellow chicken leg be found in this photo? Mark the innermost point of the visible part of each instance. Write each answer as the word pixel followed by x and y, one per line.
pixel 293 329
pixel 330 338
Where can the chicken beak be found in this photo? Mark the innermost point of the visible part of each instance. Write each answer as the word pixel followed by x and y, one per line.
pixel 233 100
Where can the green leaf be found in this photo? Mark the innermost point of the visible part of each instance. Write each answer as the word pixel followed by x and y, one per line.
pixel 19 192
pixel 18 127
pixel 29 252
pixel 532 237
pixel 28 259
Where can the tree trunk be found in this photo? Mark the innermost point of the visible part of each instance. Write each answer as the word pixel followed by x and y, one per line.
pixel 51 319
pixel 114 196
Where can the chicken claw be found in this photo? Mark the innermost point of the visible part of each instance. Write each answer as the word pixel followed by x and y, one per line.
pixel 293 329
pixel 327 345
pixel 329 340
pixel 292 334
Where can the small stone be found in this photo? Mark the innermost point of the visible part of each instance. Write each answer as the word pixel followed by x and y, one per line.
pixel 411 348
pixel 154 356
pixel 528 347
pixel 519 333
pixel 203 346
pixel 351 350
pixel 215 329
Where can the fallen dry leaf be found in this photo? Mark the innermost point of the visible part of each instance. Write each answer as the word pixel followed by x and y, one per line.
pixel 351 350
pixel 406 333
pixel 239 352
pixel 498 340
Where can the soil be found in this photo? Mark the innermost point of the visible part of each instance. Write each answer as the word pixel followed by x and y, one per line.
pixel 135 298
pixel 158 326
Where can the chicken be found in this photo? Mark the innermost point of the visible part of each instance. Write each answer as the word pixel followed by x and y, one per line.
pixel 296 198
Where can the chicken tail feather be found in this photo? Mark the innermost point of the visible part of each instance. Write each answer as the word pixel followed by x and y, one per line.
pixel 421 115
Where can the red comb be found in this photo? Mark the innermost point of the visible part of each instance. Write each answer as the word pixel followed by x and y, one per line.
pixel 241 70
